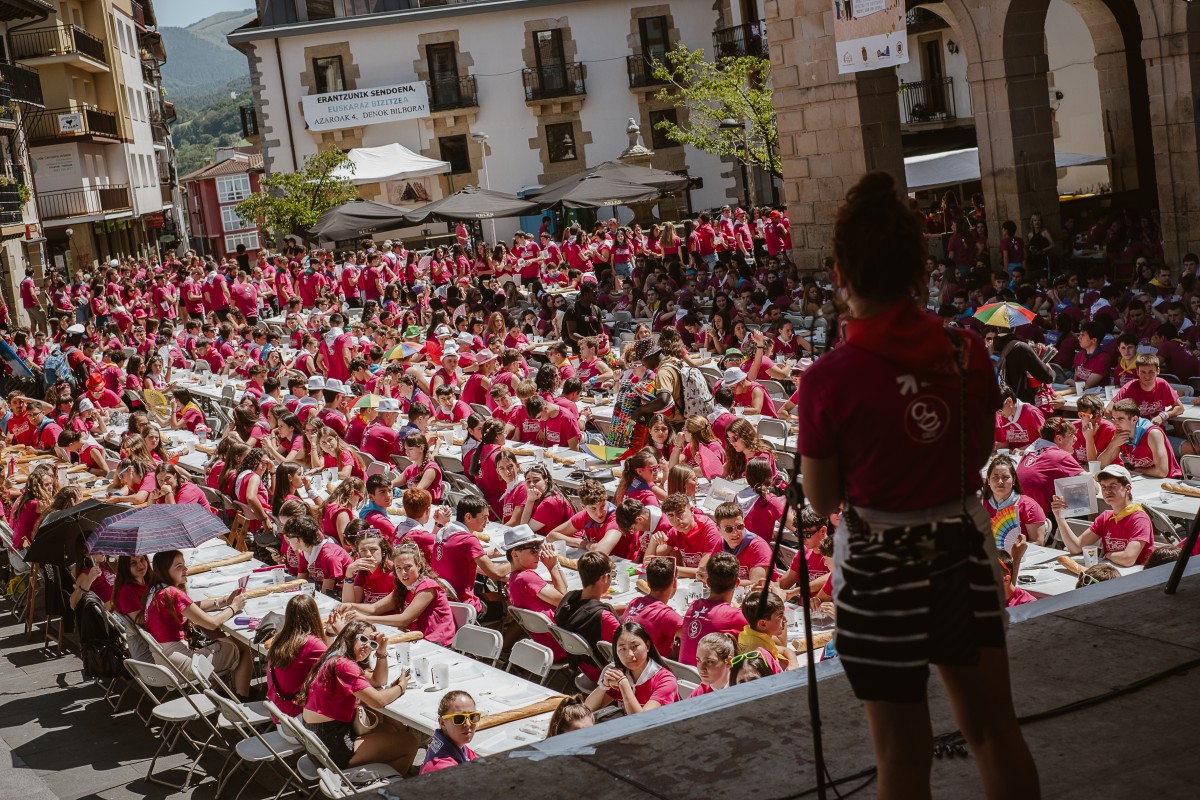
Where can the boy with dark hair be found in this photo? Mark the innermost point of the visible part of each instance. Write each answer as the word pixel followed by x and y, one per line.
pixel 583 612
pixel 766 631
pixel 652 611
pixel 713 614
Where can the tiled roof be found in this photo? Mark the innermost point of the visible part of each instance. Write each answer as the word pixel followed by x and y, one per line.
pixel 230 166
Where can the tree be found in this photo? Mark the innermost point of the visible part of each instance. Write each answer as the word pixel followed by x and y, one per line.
pixel 730 88
pixel 290 202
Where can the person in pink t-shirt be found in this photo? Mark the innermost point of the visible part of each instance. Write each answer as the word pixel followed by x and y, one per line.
pixel 369 578
pixel 458 554
pixel 1125 533
pixel 294 651
pixel 527 589
pixel 651 610
pixel 713 614
pixel 1017 423
pixel 639 680
pixel 1141 444
pixel 338 683
pixel 418 602
pixel 752 552
pixel 714 660
pixel 693 537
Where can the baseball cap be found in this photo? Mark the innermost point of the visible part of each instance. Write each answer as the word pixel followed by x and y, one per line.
pixel 388 405
pixel 1115 471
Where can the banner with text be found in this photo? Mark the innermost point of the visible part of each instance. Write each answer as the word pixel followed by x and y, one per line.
pixel 333 110
pixel 869 34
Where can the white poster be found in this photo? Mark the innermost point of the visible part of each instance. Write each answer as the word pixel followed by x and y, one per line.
pixel 869 34
pixel 70 123
pixel 327 112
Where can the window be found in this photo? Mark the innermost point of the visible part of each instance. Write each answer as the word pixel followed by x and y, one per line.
pixel 230 221
pixel 330 77
pixel 233 188
pixel 249 239
pixel 560 142
pixel 655 43
pixel 132 104
pixel 454 151
pixel 141 106
pixel 319 9
pixel 658 138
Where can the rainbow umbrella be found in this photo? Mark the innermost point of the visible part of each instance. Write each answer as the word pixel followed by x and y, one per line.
pixel 604 452
pixel 367 401
pixel 1004 315
pixel 402 351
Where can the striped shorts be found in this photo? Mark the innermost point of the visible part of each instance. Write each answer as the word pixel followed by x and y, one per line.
pixel 911 596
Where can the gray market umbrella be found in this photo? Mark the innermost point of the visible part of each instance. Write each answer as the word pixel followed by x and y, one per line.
pixel 646 176
pixel 357 218
pixel 58 534
pixel 156 529
pixel 472 203
pixel 593 191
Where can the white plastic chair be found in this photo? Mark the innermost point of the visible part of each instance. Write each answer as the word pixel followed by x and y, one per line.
pixel 776 428
pixel 482 643
pixel 774 389
pixel 685 688
pixel 318 767
pixel 450 463
pixel 534 658
pixel 606 650
pixel 464 614
pixel 174 716
pixel 255 748
pixel 682 672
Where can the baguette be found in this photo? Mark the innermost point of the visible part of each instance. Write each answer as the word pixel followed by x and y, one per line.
pixel 531 710
pixel 405 636
pixel 220 562
pixel 642 586
pixel 568 563
pixel 819 640
pixel 263 591
pixel 1072 566
pixel 1181 488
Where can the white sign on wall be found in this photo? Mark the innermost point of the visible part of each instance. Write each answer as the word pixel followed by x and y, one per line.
pixel 70 123
pixel 869 34
pixel 55 161
pixel 333 110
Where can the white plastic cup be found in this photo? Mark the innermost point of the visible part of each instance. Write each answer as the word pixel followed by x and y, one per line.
pixel 1079 388
pixel 420 667
pixel 1094 467
pixel 1091 555
pixel 441 676
pixel 404 653
pixel 1110 392
pixel 560 547
pixel 622 578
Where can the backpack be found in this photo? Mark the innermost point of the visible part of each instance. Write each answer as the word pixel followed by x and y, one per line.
pixel 102 644
pixel 697 397
pixel 57 368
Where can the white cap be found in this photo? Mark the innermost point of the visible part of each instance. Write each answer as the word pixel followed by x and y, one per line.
pixel 388 405
pixel 76 329
pixel 1115 471
pixel 733 376
pixel 316 383
pixel 86 405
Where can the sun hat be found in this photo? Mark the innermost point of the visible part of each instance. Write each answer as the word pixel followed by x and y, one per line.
pixel 518 537
pixel 732 376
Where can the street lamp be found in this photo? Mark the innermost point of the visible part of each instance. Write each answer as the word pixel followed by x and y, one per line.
pixel 481 139
pixel 730 124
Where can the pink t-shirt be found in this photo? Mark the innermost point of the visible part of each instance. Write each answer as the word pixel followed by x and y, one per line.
pixel 1103 435
pixel 289 680
pixel 660 621
pixel 817 568
pixel 129 599
pixel 332 691
pixel 702 618
pixel 435 622
pixel 329 563
pixel 1151 403
pixel 559 430
pixel 763 517
pixel 380 442
pixel 454 555
pixel 1019 597
pixel 700 541
pixel 552 510
pixel 661 687
pixel 514 498
pixel 523 588
pixel 1116 533
pixel 376 584
pixel 1140 457
pixel 1038 470
pixel 751 552
pixel 1022 429
pixel 164 616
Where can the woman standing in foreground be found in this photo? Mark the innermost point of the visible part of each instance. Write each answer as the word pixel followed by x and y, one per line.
pixel 915 583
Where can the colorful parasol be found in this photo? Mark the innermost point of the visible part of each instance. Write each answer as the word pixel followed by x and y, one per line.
pixel 604 452
pixel 1004 315
pixel 402 351
pixel 368 401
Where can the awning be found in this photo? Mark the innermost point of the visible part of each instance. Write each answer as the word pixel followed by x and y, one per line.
pixel 391 162
pixel 962 166
pixel 356 219
pixel 470 203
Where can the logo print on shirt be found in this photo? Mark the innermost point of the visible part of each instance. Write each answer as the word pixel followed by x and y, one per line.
pixel 926 419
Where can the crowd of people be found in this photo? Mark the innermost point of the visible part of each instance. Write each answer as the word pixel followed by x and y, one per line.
pixel 478 351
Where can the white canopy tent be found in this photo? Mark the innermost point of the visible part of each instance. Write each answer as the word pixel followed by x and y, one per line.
pixel 391 162
pixel 962 166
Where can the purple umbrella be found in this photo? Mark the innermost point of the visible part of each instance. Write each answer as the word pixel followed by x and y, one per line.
pixel 155 529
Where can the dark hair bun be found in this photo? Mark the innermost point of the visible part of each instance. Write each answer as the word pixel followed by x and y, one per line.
pixel 874 188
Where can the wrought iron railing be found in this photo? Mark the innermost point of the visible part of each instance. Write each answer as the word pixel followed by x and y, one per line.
pixel 449 92
pixel 747 39
pixel 641 72
pixel 249 121
pixel 928 101
pixel 83 202
pixel 559 80
pixel 56 40
pixel 26 83
pixel 70 122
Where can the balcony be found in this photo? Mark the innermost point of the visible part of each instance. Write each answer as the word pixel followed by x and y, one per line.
pixel 641 72
pixel 60 43
pixel 10 205
pixel 747 39
pixel 927 101
pixel 152 47
pixel 159 132
pixel 249 122
pixel 139 14
pixel 26 84
pixel 165 188
pixel 168 112
pixel 8 112
pixel 562 80
pixel 83 202
pixel 450 92
pixel 71 124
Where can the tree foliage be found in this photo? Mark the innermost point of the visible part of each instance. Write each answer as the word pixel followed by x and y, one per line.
pixel 730 88
pixel 290 202
pixel 207 122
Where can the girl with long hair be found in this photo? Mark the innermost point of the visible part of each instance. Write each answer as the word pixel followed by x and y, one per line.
pixel 335 453
pixel 129 588
pixel 250 488
pixel 696 447
pixel 369 578
pixel 289 480
pixel 742 443
pixel 637 680
pixel 294 651
pixel 682 480
pixel 337 684
pixel 338 509
pixel 762 517
pixel 424 472
pixel 639 479
pixel 482 468
pixel 227 461
pixel 418 601
pixel 546 507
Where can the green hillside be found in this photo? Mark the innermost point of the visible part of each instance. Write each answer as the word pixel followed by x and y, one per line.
pixel 199 60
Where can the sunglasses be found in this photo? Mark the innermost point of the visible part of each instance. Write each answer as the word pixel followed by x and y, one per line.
pixel 749 655
pixel 463 719
pixel 362 638
pixel 732 528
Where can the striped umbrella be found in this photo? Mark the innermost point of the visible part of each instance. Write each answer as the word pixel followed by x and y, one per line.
pixel 402 351
pixel 154 529
pixel 1004 315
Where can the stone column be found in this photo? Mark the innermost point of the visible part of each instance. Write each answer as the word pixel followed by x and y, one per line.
pixel 833 128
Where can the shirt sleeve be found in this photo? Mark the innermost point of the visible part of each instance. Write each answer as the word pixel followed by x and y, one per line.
pixel 666 688
pixel 818 431
pixel 351 676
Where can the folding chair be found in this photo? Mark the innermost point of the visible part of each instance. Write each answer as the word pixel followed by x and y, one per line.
pixel 318 767
pixel 774 389
pixel 484 644
pixel 685 688
pixel 55 603
pixel 534 658
pixel 482 411
pixel 1191 464
pixel 464 614
pixel 255 748
pixel 574 644
pixel 240 527
pixel 533 622
pixel 606 650
pixel 1170 377
pixel 682 671
pixel 450 464
pixel 174 715
pixel 1165 532
pixel 776 428
pixel 401 462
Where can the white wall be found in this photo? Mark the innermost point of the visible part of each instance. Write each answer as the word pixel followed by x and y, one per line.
pixel 385 54
pixel 1079 119
pixel 148 197
pixel 954 65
